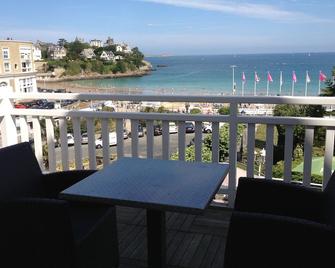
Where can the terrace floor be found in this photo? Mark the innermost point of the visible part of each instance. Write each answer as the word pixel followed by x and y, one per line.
pixel 192 241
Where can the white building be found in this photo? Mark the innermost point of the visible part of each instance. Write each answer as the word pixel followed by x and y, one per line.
pixel 109 41
pixel 126 49
pixel 118 57
pixel 96 43
pixel 17 68
pixel 56 52
pixel 37 53
pixel 107 55
pixel 119 48
pixel 88 53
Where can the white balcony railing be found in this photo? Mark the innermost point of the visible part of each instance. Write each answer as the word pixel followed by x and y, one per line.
pixel 43 122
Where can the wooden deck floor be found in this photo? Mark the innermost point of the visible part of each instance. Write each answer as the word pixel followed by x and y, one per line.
pixel 192 241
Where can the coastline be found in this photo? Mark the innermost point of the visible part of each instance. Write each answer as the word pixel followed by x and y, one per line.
pixel 137 73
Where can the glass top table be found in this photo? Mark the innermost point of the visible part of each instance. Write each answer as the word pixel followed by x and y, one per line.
pixel 156 185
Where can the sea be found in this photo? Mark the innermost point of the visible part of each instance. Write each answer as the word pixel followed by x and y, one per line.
pixel 213 75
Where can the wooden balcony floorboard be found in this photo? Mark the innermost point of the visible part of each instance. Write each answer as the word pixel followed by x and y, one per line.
pixel 192 241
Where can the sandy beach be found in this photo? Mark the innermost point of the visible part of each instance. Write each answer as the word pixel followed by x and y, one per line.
pixel 76 88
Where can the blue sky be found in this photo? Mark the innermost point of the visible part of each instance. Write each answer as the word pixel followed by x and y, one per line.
pixel 179 27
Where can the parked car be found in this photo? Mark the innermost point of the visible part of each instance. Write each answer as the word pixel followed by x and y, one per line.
pixel 189 127
pixel 112 140
pixel 41 102
pixel 140 131
pixel 157 130
pixel 84 138
pixel 125 134
pixel 20 106
pixel 207 127
pixel 173 127
pixel 70 139
pixel 48 105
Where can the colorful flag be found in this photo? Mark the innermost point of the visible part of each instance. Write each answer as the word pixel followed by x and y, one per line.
pixel 294 77
pixel 269 77
pixel 243 77
pixel 256 77
pixel 322 76
pixel 308 79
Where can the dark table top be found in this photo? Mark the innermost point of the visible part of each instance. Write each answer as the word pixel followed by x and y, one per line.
pixel 152 184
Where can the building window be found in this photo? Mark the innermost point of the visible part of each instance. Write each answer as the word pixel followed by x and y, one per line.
pixel 26 85
pixel 3 84
pixel 5 53
pixel 26 67
pixel 6 67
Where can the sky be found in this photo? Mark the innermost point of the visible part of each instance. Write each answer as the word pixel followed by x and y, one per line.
pixel 179 27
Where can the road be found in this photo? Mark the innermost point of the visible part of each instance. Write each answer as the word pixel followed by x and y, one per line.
pixel 142 147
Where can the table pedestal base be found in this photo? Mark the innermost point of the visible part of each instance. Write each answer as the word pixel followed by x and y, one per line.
pixel 156 238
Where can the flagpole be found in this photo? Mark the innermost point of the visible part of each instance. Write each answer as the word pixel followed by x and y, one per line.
pixel 292 87
pixel 306 84
pixel 280 82
pixel 255 88
pixel 319 83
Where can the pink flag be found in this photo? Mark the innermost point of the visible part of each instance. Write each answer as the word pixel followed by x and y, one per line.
pixel 256 77
pixel 243 77
pixel 294 77
pixel 269 77
pixel 322 76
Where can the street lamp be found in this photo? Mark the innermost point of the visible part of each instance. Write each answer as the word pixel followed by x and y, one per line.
pixel 234 84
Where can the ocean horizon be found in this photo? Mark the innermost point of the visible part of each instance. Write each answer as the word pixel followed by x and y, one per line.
pixel 213 74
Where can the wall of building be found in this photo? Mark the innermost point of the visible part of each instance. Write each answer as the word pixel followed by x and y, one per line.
pixel 20 78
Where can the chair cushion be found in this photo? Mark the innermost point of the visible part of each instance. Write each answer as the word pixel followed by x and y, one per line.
pixel 20 174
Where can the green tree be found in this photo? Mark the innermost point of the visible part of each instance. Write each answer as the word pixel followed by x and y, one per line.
pixel 224 110
pixel 206 154
pixel 207 146
pixel 329 90
pixel 299 130
pixel 195 111
pixel 62 42
pixel 162 109
pixel 73 68
pixel 120 67
pixel 75 48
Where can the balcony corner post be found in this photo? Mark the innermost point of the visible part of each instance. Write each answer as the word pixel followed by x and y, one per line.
pixel 7 122
pixel 232 153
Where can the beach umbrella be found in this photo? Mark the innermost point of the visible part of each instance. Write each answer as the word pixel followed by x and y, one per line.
pixel 317 166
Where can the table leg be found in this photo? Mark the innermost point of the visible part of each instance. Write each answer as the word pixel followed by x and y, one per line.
pixel 156 238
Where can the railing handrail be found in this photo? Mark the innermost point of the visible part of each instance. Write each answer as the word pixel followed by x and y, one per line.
pixel 175 98
pixel 275 120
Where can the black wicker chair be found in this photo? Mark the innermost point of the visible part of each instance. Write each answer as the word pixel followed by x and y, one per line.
pixel 39 230
pixel 277 224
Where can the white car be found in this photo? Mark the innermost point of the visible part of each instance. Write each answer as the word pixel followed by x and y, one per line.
pixel 207 128
pixel 173 127
pixel 70 139
pixel 112 140
pixel 84 138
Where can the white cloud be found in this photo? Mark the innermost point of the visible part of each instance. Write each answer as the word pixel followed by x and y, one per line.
pixel 243 9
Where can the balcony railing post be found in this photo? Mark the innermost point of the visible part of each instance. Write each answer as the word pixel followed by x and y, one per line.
pixel 7 123
pixel 232 153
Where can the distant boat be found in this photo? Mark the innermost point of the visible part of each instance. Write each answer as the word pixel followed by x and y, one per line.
pixel 161 65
